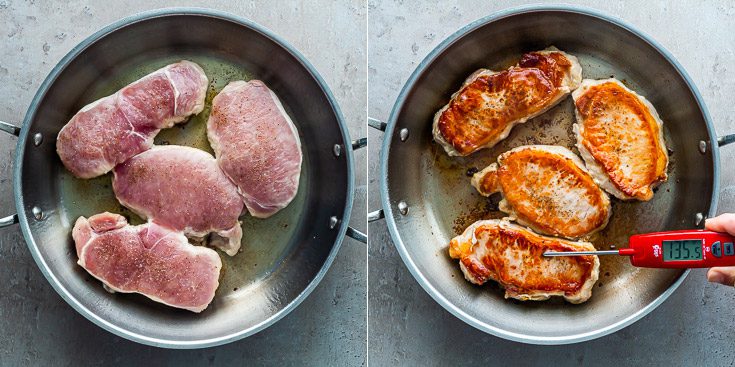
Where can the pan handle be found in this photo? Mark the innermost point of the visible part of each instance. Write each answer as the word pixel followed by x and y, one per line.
pixel 375 216
pixel 9 221
pixel 359 143
pixel 357 235
pixel 10 129
pixel 378 125
pixel 351 232
pixel 725 140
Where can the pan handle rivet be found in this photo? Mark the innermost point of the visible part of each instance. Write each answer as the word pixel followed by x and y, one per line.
pixel 403 134
pixel 698 219
pixel 403 207
pixel 337 150
pixel 702 146
pixel 333 222
pixel 37 213
pixel 37 139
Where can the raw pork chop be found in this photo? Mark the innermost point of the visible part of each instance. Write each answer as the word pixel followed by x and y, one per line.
pixel 110 130
pixel 621 138
pixel 490 103
pixel 147 259
pixel 513 256
pixel 547 188
pixel 256 145
pixel 181 188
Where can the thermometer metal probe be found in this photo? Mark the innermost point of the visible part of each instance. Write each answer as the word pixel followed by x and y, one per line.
pixel 672 249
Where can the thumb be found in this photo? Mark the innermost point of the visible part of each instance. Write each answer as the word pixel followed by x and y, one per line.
pixel 723 275
pixel 721 223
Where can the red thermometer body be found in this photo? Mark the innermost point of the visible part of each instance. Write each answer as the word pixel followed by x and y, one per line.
pixel 681 249
pixel 674 249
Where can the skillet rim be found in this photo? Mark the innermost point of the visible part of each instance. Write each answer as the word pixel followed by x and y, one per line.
pixel 23 138
pixel 389 135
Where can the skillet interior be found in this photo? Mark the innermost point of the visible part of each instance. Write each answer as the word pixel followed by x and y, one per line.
pixel 442 202
pixel 283 257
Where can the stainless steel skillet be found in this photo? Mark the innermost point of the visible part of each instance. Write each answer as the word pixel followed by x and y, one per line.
pixel 284 256
pixel 427 198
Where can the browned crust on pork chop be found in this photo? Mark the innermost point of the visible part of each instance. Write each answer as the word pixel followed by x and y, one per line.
pixel 548 189
pixel 622 133
pixel 490 103
pixel 513 256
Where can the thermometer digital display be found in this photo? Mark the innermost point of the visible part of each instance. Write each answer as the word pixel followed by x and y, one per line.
pixel 684 250
pixel 673 249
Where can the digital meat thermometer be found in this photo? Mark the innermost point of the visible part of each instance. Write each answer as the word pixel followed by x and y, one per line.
pixel 673 249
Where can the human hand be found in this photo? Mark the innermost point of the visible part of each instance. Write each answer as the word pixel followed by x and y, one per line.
pixel 722 223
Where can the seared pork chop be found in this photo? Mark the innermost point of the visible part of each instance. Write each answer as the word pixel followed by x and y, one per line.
pixel 513 256
pixel 184 189
pixel 147 259
pixel 110 130
pixel 256 145
pixel 548 189
pixel 620 136
pixel 490 103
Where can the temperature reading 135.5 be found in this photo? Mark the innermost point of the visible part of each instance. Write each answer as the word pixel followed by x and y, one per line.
pixel 683 250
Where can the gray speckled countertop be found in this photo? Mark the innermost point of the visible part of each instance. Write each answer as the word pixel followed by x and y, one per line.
pixel 38 328
pixel 694 327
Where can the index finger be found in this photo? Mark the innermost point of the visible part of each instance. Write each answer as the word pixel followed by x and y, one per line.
pixel 721 223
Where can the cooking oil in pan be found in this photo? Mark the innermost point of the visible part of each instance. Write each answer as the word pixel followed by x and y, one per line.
pixel 265 243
